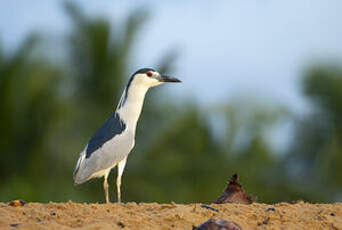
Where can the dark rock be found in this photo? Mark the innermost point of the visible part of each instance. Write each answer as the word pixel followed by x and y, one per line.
pixel 234 193
pixel 219 224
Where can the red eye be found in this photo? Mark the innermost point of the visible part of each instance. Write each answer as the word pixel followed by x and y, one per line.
pixel 149 74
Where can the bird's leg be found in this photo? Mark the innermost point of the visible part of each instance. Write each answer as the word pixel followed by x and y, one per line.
pixel 105 187
pixel 121 167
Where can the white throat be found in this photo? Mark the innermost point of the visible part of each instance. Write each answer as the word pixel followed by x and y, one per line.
pixel 131 106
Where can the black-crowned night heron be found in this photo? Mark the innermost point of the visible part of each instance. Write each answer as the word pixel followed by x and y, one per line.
pixel 111 144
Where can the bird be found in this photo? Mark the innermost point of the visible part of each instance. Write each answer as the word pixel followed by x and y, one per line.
pixel 111 144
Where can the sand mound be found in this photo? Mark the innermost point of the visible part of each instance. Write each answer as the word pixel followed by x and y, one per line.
pixel 71 215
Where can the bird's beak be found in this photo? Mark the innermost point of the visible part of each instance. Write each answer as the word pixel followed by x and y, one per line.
pixel 164 78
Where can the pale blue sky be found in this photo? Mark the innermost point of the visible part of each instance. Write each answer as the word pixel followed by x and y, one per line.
pixel 227 48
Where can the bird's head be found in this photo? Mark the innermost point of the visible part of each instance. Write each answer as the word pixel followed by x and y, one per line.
pixel 149 77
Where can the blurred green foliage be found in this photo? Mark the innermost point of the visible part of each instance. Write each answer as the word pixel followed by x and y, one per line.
pixel 184 152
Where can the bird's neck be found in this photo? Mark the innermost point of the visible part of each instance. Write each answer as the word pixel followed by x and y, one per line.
pixel 132 103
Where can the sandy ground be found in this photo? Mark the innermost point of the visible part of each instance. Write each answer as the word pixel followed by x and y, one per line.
pixel 35 216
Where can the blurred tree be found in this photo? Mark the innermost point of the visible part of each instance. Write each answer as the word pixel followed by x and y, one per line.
pixel 247 146
pixel 182 164
pixel 99 55
pixel 29 105
pixel 316 152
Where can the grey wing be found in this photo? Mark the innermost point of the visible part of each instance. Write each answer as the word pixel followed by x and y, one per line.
pixel 108 146
pixel 112 127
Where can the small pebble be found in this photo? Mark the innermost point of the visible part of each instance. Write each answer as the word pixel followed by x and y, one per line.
pixel 332 214
pixel 120 224
pixel 266 220
pixel 53 214
pixel 210 208
pixel 271 209
pixel 14 225
pixel 17 203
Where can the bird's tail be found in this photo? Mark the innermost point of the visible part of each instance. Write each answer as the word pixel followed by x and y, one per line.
pixel 77 168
